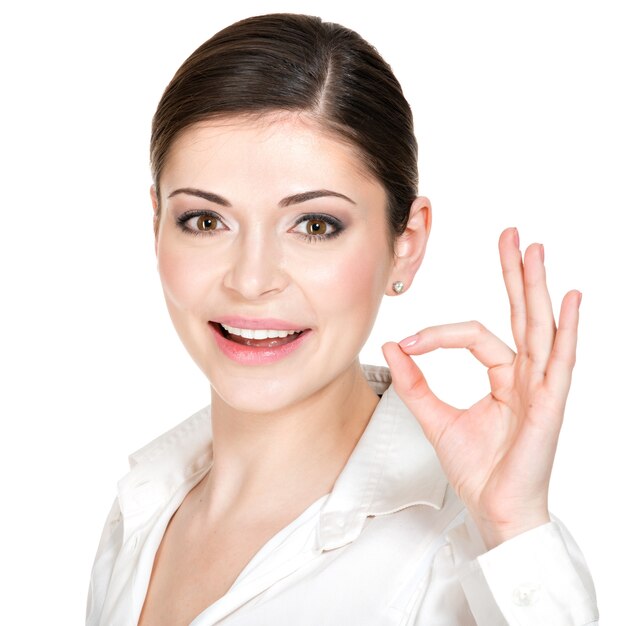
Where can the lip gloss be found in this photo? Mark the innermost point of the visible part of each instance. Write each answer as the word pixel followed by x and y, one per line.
pixel 252 355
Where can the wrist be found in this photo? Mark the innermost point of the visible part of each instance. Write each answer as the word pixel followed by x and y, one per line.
pixel 495 533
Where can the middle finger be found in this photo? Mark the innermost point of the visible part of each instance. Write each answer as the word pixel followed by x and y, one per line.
pixel 540 326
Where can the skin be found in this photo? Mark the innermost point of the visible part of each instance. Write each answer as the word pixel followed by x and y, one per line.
pixel 498 453
pixel 283 431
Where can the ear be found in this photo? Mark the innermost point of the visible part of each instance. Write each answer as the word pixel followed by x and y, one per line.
pixel 410 246
pixel 155 217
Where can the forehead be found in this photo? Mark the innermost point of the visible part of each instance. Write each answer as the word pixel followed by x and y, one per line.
pixel 274 152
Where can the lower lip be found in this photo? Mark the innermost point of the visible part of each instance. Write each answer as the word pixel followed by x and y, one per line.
pixel 249 355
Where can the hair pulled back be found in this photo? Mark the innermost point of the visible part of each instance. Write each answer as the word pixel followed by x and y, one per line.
pixel 298 63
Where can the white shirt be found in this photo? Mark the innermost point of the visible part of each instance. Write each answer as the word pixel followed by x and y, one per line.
pixel 390 545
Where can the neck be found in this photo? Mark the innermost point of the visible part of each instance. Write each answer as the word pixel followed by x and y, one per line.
pixel 290 456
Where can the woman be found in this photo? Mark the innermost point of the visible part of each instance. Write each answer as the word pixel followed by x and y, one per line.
pixel 312 490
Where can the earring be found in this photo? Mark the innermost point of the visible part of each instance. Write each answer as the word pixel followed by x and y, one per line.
pixel 398 286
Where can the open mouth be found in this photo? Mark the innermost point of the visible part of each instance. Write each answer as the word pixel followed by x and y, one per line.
pixel 258 338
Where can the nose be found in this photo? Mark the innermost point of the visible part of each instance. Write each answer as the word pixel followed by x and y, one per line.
pixel 255 268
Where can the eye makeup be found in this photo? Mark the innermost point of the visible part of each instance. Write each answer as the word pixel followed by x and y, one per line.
pixel 212 220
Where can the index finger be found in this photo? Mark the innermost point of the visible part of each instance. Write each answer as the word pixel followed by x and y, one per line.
pixel 490 350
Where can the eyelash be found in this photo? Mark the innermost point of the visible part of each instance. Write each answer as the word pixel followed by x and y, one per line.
pixel 185 217
pixel 333 221
pixel 328 219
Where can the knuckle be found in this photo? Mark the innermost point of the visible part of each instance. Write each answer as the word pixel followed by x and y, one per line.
pixel 476 327
pixel 570 360
pixel 566 358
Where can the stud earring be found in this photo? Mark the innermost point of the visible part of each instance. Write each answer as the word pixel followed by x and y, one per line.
pixel 398 286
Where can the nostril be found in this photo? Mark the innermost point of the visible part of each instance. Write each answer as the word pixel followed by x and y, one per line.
pixel 256 268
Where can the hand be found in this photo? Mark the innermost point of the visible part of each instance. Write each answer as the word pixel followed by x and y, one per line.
pixel 498 454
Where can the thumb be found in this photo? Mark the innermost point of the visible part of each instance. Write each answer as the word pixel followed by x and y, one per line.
pixel 411 386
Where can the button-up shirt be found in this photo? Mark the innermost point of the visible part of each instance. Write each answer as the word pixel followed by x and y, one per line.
pixel 391 544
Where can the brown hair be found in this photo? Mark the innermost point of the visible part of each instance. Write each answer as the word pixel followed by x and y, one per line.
pixel 298 63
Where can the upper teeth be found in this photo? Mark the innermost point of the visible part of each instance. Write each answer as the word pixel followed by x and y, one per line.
pixel 257 333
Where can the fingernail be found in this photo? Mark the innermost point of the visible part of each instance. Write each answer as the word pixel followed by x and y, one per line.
pixel 543 254
pixel 409 341
pixel 516 237
pixel 580 298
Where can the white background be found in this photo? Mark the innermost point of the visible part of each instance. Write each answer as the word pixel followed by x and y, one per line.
pixel 519 113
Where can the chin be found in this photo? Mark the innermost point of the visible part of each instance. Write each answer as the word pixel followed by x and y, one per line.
pixel 260 395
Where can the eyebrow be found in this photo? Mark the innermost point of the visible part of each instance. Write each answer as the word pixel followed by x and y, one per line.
pixel 285 202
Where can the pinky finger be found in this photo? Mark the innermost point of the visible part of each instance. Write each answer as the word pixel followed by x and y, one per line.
pixel 563 356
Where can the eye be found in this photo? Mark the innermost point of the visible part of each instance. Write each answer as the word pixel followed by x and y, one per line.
pixel 200 222
pixel 206 222
pixel 318 227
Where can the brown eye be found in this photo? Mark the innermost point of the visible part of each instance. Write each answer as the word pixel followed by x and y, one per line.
pixel 206 222
pixel 316 227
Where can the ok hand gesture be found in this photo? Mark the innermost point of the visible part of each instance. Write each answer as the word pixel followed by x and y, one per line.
pixel 498 453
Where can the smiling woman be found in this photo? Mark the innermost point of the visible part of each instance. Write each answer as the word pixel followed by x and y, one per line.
pixel 314 489
pixel 302 246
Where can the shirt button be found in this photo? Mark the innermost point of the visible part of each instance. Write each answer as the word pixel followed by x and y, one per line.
pixel 525 595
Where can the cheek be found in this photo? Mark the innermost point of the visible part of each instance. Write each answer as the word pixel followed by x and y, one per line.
pixel 185 286
pixel 183 277
pixel 350 284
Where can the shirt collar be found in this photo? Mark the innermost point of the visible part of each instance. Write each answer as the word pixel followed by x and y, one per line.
pixel 158 469
pixel 393 466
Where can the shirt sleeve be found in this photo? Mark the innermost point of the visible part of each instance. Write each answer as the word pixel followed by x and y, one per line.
pixel 538 577
pixel 108 548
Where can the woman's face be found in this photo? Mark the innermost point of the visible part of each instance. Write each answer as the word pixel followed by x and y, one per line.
pixel 270 226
